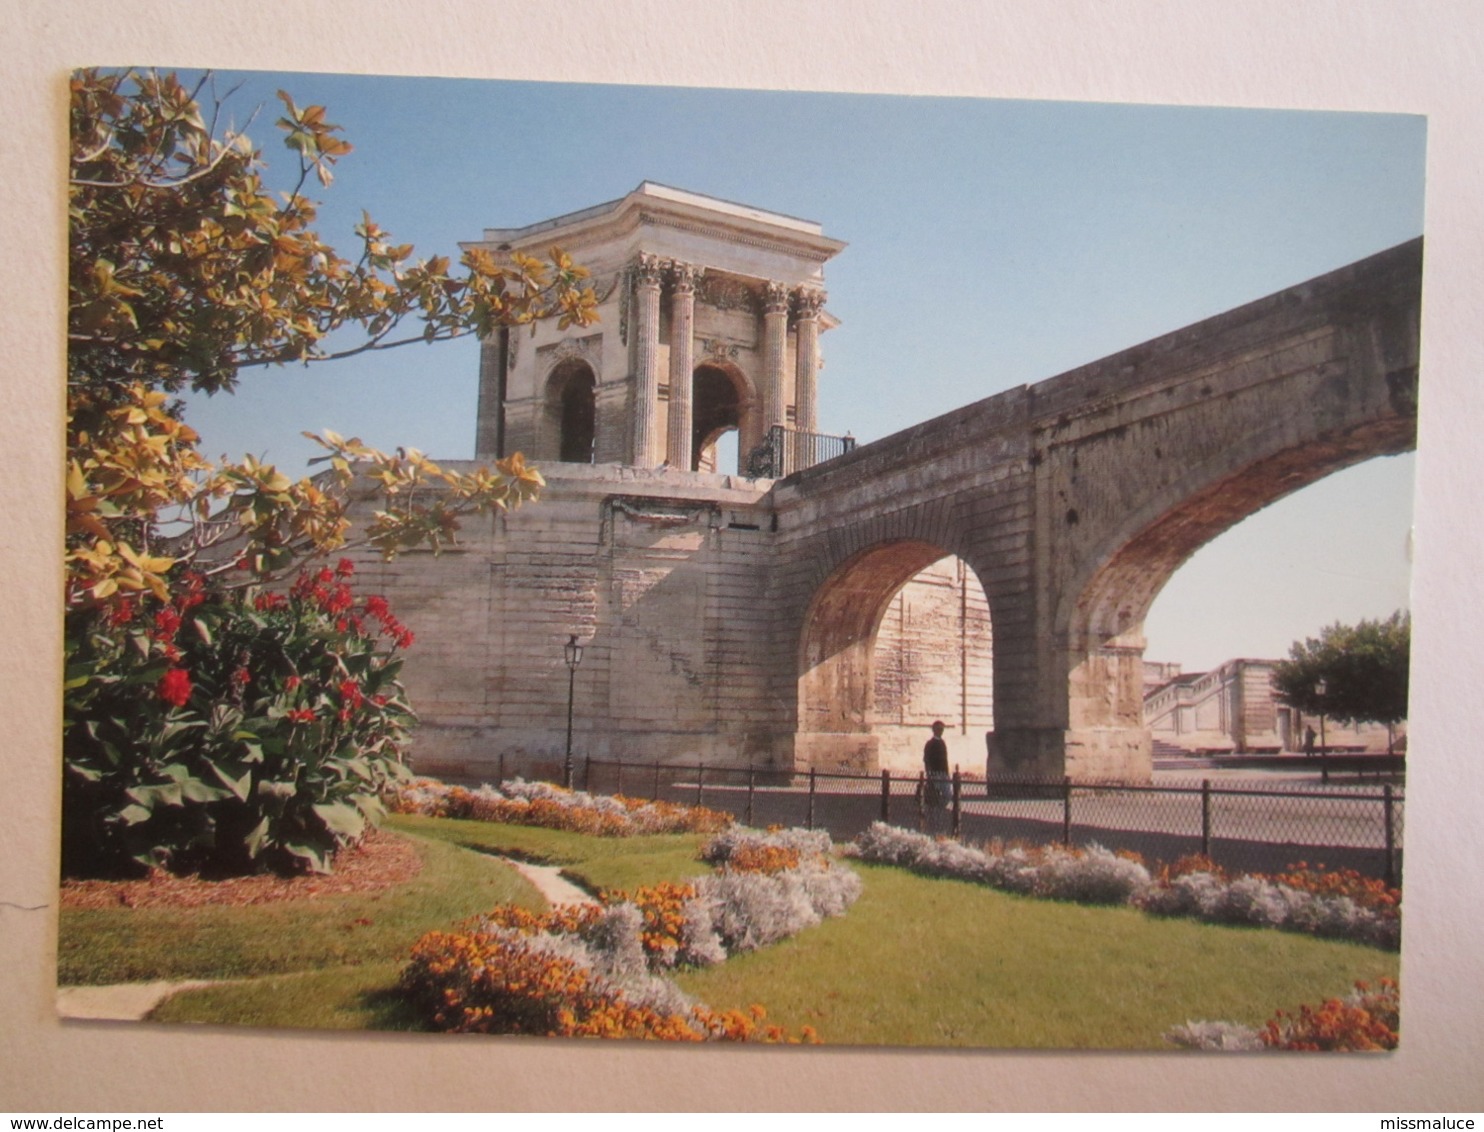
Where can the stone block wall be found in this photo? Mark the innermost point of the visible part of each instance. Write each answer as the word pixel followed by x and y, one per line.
pixel 663 577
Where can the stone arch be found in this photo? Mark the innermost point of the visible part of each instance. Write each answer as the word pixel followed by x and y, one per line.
pixel 933 660
pixel 722 398
pixel 571 412
pixel 1101 617
pixel 836 685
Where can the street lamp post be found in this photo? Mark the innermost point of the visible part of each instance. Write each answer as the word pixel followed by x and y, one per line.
pixel 572 652
pixel 1321 689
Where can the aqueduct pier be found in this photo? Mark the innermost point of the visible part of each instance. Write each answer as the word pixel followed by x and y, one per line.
pixel 733 620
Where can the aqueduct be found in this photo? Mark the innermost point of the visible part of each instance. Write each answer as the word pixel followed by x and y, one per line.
pixel 1075 500
pixel 734 619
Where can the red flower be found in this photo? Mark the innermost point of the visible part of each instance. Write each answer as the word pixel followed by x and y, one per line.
pixel 265 603
pixel 350 693
pixel 122 612
pixel 194 594
pixel 345 567
pixel 291 683
pixel 242 676
pixel 301 715
pixel 175 687
pixel 167 621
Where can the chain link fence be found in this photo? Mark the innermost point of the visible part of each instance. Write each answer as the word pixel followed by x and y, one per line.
pixel 1246 826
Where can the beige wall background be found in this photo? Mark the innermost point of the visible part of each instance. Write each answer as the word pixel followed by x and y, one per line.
pixel 1410 56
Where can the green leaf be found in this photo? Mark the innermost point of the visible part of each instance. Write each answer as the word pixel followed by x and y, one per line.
pixel 254 840
pixel 343 820
pixel 153 796
pixel 197 791
pixel 133 815
pixel 236 778
pixel 313 855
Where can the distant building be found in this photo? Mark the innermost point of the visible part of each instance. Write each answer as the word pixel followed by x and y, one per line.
pixel 1233 709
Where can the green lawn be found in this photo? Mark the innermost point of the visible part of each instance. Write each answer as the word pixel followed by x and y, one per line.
pixel 916 961
pixel 1001 970
pixel 118 945
pixel 593 862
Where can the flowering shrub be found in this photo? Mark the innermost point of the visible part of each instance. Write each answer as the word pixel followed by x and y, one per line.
pixel 597 970
pixel 1365 1019
pixel 1340 905
pixel 1366 892
pixel 231 730
pixel 504 982
pixel 517 802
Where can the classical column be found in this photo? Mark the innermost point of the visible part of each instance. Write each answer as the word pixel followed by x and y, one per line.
pixel 682 362
pixel 489 440
pixel 646 360
pixel 775 341
pixel 807 305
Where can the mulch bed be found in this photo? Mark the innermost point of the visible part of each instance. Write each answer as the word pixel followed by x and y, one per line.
pixel 380 861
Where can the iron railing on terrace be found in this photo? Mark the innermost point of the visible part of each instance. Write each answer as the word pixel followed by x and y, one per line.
pixel 788 450
pixel 1243 826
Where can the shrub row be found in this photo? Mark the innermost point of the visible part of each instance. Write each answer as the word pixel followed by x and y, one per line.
pixel 1301 900
pixel 599 970
pixel 517 802
pixel 1366 1019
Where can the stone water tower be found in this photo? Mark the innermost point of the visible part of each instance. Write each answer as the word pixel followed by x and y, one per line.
pixel 710 315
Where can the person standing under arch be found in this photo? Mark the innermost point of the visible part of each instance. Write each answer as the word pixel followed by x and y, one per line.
pixel 938 789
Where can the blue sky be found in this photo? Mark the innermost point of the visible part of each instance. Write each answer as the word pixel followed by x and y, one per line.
pixel 992 243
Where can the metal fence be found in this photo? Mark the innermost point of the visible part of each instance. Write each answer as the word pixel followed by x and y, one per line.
pixel 1244 826
pixel 788 450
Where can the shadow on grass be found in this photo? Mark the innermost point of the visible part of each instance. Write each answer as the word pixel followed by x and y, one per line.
pixel 387 1008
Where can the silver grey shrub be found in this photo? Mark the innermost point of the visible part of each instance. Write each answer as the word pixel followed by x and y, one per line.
pixel 806 843
pixel 1091 876
pixel 1096 876
pixel 1231 1036
pixel 747 910
pixel 1253 900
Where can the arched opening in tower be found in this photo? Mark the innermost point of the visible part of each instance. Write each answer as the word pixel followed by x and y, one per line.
pixel 716 410
pixel 577 390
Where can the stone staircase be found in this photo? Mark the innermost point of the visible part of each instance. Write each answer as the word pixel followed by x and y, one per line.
pixel 1164 750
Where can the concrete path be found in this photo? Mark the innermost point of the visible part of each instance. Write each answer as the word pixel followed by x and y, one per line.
pixel 123 1002
pixel 132 1002
pixel 548 879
